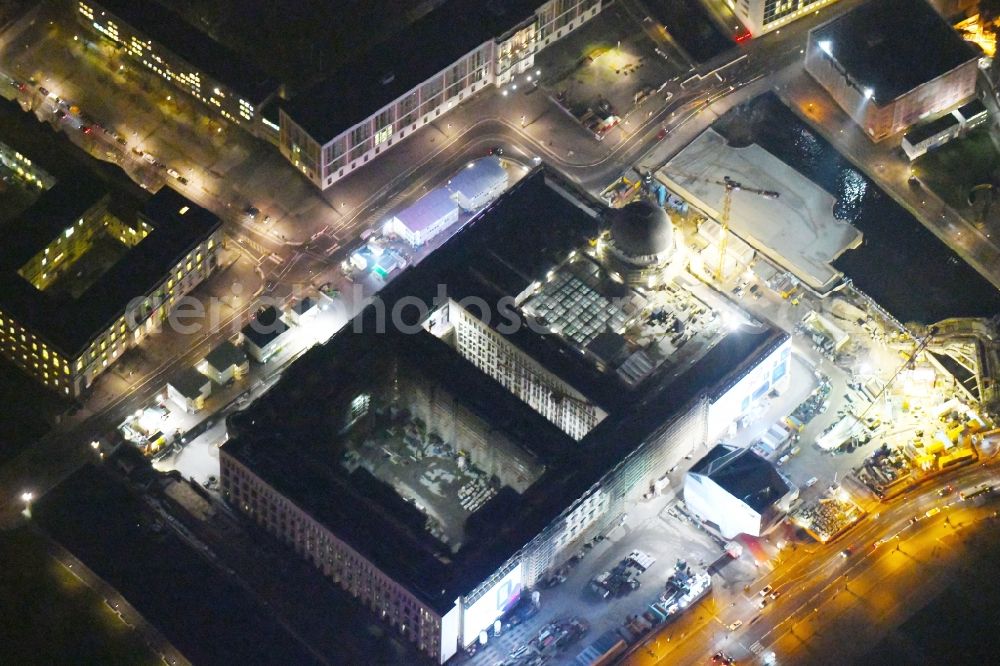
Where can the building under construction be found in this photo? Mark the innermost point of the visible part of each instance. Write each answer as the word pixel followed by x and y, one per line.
pixel 504 401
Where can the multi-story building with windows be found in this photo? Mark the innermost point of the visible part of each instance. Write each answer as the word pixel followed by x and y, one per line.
pixel 162 42
pixel 762 16
pixel 89 266
pixel 892 64
pixel 469 439
pixel 398 87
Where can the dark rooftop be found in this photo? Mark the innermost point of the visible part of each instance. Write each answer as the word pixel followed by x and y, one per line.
pixel 69 324
pixel 744 475
pixel 189 383
pixel 390 69
pixel 265 327
pixel 199 49
pixel 303 306
pixel 226 355
pixel 972 109
pixel 272 435
pixel 893 46
pixel 933 128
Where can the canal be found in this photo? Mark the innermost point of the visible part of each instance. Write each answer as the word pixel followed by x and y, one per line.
pixel 900 264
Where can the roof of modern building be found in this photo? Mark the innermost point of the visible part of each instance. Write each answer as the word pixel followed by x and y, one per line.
pixel 929 130
pixel 893 46
pixel 226 355
pixel 189 383
pixel 642 229
pixel 265 327
pixel 304 305
pixel 744 475
pixel 69 324
pixel 478 176
pixel 971 109
pixel 388 70
pixel 527 230
pixel 430 208
pixel 169 29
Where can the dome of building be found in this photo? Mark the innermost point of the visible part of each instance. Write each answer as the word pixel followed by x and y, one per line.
pixel 642 229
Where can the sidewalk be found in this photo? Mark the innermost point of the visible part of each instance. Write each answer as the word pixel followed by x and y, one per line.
pixel 886 165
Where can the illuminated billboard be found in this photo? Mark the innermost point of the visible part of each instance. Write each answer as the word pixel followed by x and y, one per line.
pixel 494 603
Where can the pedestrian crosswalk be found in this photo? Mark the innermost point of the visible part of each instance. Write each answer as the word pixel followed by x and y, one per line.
pixel 757 648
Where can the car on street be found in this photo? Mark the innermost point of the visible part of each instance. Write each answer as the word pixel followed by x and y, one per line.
pixel 847 552
pixel 947 490
pixel 763 602
pixel 767 590
pixel 735 625
pixel 722 658
pixel 775 595
pixel 811 482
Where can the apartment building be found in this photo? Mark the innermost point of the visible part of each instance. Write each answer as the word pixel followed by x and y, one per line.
pixel 763 16
pixel 90 266
pixel 160 41
pixel 396 88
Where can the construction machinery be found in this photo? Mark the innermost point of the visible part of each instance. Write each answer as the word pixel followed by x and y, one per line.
pixel 731 186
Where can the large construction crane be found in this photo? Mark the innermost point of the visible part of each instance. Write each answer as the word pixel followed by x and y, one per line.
pixel 731 186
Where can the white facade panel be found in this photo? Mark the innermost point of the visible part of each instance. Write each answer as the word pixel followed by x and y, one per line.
pixel 772 374
pixel 711 503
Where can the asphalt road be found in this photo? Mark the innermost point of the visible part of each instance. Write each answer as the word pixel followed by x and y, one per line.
pixel 809 577
pixel 805 577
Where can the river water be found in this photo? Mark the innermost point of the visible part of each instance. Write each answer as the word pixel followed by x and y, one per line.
pixel 900 264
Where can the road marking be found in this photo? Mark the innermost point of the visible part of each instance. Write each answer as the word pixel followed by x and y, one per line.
pixel 757 648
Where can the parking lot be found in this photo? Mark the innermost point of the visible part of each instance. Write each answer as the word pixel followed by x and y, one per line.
pixel 606 68
pixel 653 527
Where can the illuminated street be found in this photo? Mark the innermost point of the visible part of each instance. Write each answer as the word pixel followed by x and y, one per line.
pixel 556 332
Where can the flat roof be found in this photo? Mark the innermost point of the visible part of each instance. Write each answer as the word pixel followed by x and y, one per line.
pixel 478 176
pixel 971 109
pixel 528 229
pixel 893 46
pixel 744 475
pixel 430 208
pixel 226 355
pixel 265 327
pixel 69 324
pixel 797 230
pixel 170 30
pixel 189 383
pixel 388 70
pixel 933 128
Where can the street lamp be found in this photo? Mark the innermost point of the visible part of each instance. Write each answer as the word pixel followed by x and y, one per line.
pixel 26 497
pixel 868 93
